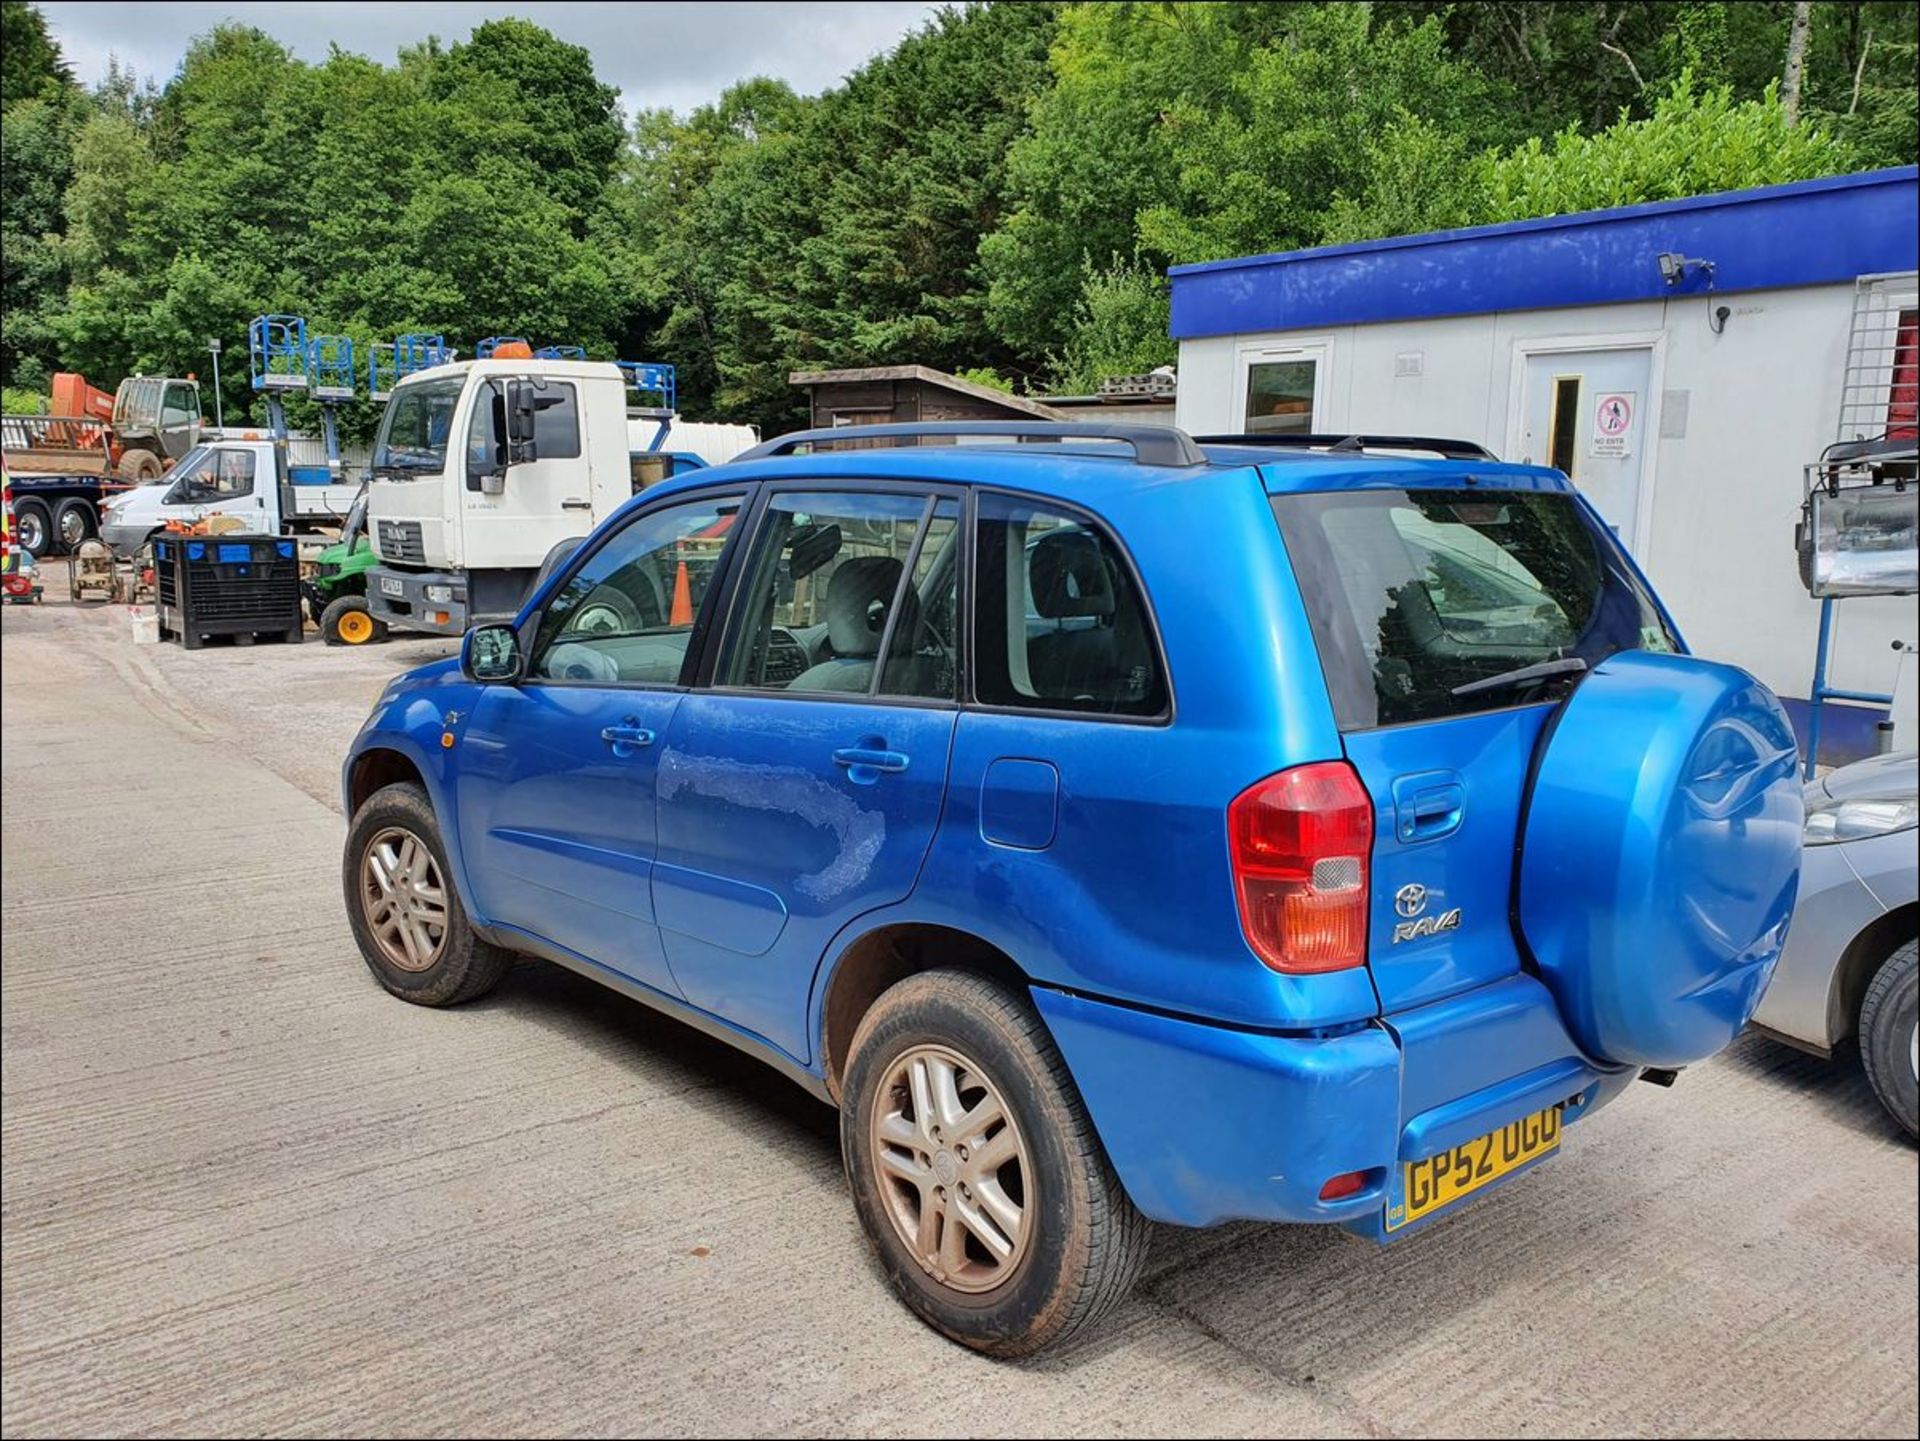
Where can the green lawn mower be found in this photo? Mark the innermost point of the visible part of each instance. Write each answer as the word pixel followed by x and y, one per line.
pixel 337 593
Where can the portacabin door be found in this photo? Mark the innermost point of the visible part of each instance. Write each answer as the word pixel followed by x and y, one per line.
pixel 1585 414
pixel 557 775
pixel 802 788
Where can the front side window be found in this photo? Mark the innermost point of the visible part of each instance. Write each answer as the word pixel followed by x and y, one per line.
pixel 1061 624
pixel 205 476
pixel 626 615
pixel 838 580
pixel 1280 396
pixel 413 434
pixel 1424 603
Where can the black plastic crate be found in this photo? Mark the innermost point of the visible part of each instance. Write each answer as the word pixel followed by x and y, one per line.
pixel 238 585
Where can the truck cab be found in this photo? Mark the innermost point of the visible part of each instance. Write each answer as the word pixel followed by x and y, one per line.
pixel 482 467
pixel 239 475
pixel 157 420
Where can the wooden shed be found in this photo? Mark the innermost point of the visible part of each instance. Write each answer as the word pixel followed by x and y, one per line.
pixel 887 394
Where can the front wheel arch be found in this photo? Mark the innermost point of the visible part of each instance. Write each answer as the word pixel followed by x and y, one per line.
pixel 377 768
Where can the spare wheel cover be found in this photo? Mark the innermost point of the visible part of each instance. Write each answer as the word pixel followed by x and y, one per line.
pixel 1660 856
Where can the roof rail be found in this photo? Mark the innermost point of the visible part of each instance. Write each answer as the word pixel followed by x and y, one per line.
pixel 1151 444
pixel 1451 449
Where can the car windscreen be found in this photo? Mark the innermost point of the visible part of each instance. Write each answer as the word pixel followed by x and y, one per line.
pixel 414 431
pixel 1425 603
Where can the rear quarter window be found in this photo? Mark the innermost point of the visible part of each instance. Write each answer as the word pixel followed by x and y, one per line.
pixel 1414 594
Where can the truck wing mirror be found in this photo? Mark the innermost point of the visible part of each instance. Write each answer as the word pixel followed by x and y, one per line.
pixel 523 406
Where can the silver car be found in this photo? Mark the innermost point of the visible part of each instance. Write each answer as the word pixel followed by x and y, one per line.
pixel 1848 969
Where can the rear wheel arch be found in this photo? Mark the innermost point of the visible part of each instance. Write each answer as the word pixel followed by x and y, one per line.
pixel 882 958
pixel 1860 963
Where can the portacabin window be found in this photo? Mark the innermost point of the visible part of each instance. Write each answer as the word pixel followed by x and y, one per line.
pixel 1280 395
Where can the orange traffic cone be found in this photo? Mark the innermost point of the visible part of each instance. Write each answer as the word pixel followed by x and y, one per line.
pixel 682 598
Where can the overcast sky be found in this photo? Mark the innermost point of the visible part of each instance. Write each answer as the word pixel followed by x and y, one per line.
pixel 677 54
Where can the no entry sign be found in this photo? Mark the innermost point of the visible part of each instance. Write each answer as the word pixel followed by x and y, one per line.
pixel 1613 414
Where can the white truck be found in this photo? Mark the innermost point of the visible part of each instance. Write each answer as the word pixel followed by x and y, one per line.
pixel 231 472
pixel 481 467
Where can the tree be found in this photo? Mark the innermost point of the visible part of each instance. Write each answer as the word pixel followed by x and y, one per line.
pixel 36 156
pixel 769 233
pixel 1119 326
pixel 31 67
pixel 1796 60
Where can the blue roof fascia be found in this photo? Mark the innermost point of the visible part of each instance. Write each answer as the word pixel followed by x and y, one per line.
pixel 1811 232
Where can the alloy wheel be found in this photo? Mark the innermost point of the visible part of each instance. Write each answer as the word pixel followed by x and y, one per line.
pixel 404 899
pixel 954 1173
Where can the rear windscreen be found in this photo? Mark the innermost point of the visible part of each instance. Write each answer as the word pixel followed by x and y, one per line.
pixel 1415 594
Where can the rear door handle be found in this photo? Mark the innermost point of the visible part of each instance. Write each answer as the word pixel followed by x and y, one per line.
pixel 1429 805
pixel 575 503
pixel 874 760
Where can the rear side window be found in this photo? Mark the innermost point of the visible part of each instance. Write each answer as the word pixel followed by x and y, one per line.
pixel 1060 624
pixel 1415 595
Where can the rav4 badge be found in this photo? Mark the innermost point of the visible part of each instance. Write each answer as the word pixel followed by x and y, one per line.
pixel 1409 901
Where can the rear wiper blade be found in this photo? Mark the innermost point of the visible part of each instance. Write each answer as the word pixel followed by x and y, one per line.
pixel 1566 665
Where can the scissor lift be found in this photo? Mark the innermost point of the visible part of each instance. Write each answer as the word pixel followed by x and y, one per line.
pixel 1876 448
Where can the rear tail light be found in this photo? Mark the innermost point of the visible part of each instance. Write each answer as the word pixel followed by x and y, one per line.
pixel 1301 841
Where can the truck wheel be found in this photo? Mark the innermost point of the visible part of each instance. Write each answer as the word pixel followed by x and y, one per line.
pixel 347 621
pixel 405 913
pixel 35 526
pixel 978 1176
pixel 73 524
pixel 1890 1036
pixel 138 466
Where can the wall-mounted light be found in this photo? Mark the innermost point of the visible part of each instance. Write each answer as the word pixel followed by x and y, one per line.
pixel 1674 266
pixel 1673 269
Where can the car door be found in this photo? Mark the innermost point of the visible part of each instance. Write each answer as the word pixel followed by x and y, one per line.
pixel 803 786
pixel 557 773
pixel 221 480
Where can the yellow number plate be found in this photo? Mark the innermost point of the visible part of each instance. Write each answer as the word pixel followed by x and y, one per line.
pixel 1441 1180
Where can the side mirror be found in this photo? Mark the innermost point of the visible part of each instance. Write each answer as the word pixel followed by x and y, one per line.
pixel 490 654
pixel 523 405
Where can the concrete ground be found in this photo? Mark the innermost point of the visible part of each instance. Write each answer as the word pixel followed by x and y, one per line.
pixel 246 1192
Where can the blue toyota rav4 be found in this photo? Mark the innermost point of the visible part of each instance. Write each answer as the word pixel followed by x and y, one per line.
pixel 1114 826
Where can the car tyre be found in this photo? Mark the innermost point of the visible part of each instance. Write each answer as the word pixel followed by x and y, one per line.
pixel 413 931
pixel 1078 1243
pixel 348 621
pixel 1889 1029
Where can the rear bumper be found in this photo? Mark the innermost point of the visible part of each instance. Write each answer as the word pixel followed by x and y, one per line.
pixel 1205 1124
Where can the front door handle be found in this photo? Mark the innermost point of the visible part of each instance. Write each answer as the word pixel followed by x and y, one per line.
pixel 626 739
pixel 861 758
